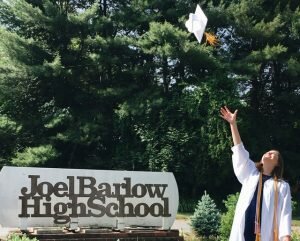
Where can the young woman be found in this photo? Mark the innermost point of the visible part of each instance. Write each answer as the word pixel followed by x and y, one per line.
pixel 263 211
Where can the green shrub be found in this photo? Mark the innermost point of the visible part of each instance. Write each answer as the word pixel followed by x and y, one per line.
pixel 295 236
pixel 18 237
pixel 227 217
pixel 206 218
pixel 295 207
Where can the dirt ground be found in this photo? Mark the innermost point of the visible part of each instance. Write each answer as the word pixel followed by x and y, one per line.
pixel 182 225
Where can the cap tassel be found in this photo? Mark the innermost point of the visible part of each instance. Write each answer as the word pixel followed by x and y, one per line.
pixel 211 39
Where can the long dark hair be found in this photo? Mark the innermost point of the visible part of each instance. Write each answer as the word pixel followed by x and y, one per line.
pixel 277 172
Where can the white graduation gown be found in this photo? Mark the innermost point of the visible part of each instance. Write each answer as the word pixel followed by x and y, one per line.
pixel 247 174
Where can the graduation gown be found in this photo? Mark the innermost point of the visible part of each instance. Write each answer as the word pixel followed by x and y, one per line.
pixel 248 175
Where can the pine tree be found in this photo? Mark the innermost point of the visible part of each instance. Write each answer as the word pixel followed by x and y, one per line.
pixel 114 85
pixel 122 85
pixel 64 69
pixel 206 218
pixel 178 111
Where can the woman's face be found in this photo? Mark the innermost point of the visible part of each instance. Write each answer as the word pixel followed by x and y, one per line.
pixel 270 158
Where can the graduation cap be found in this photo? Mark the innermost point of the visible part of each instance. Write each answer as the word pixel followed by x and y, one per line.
pixel 196 24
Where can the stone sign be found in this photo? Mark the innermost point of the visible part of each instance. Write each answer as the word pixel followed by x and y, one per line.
pixel 48 197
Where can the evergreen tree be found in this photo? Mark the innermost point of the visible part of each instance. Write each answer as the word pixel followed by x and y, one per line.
pixel 58 83
pixel 176 117
pixel 206 218
pixel 122 85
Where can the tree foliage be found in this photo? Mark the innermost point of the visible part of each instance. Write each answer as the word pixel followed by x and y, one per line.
pixel 206 218
pixel 122 85
pixel 263 49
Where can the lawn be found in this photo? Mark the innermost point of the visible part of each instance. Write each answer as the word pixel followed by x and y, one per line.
pixel 295 221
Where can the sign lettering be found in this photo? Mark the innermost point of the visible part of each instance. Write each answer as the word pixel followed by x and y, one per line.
pixel 40 194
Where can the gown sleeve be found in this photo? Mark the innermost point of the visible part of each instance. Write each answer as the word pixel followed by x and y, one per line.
pixel 285 216
pixel 242 165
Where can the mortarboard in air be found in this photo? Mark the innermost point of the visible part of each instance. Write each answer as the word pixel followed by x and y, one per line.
pixel 197 23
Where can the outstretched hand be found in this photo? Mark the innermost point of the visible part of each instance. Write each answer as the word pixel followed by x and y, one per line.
pixel 227 115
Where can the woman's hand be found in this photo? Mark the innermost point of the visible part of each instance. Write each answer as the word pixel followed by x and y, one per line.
pixel 231 118
pixel 227 115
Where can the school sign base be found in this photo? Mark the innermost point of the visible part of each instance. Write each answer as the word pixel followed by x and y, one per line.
pixel 106 235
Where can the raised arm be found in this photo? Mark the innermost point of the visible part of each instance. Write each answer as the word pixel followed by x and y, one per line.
pixel 242 165
pixel 231 119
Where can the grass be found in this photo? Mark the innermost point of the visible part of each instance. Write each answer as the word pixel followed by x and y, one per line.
pixel 296 221
pixel 296 226
pixel 193 237
pixel 186 216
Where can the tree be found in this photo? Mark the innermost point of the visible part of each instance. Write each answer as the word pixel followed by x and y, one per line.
pixel 176 117
pixel 206 218
pixel 57 82
pixel 114 85
pixel 122 85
